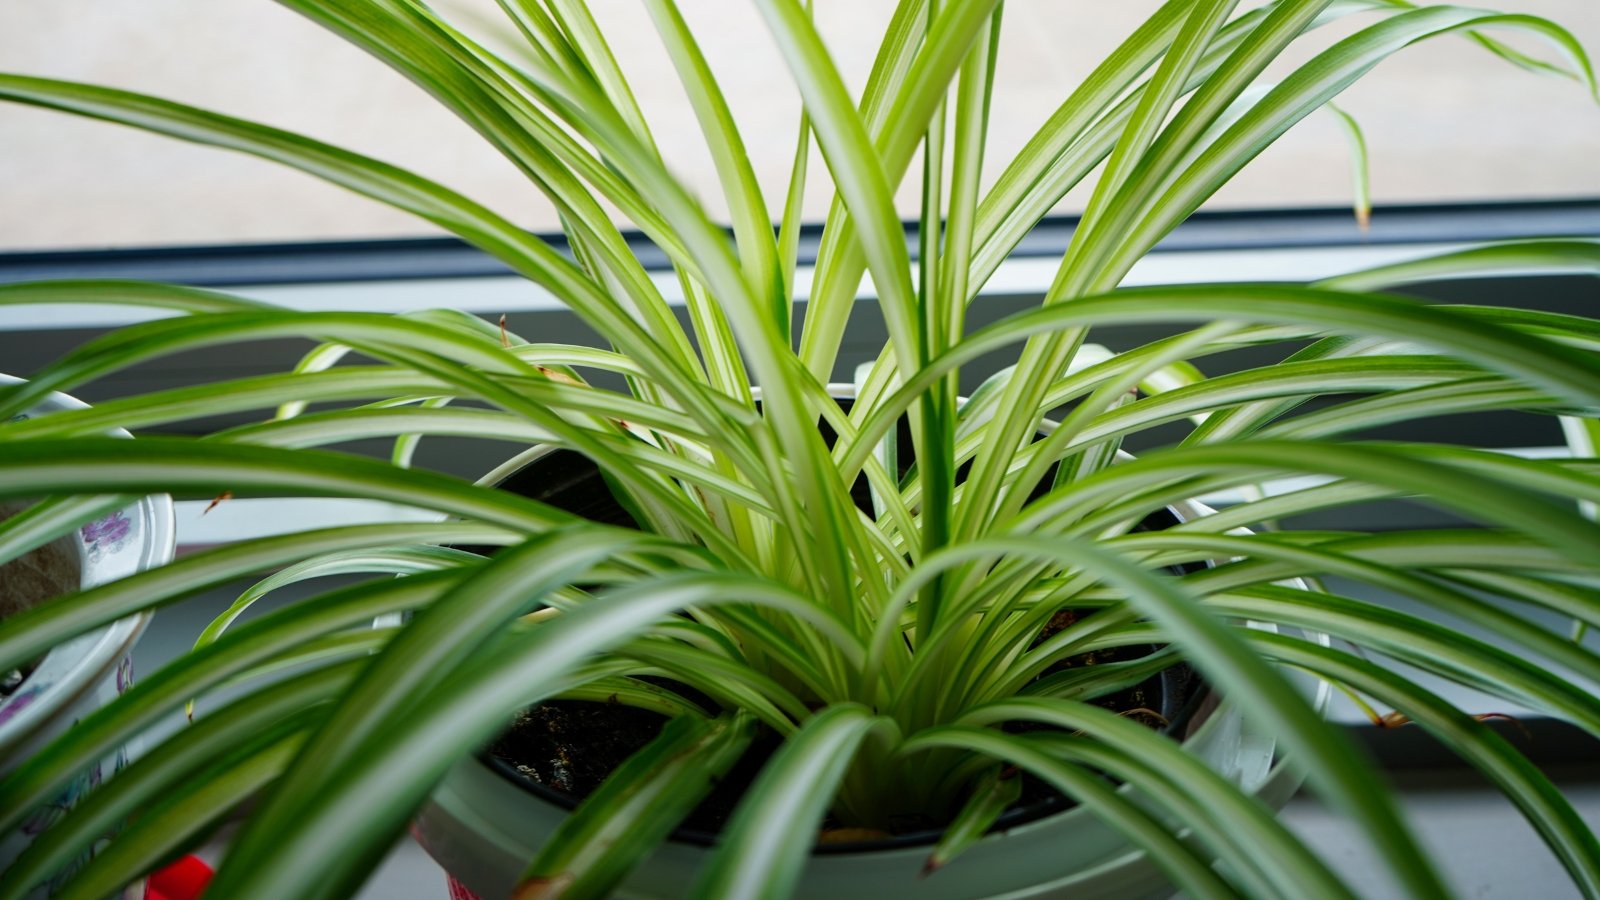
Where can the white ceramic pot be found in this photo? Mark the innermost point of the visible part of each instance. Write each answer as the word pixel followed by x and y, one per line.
pixel 483 828
pixel 82 674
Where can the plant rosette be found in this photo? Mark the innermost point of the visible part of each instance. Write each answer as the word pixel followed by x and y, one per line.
pixel 484 823
pixel 86 672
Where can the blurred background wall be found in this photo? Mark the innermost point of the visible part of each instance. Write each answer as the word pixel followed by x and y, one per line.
pixel 1445 121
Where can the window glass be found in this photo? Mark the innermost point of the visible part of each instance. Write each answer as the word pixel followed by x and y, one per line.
pixel 1445 121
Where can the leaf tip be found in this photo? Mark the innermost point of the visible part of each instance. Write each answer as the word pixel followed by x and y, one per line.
pixel 542 888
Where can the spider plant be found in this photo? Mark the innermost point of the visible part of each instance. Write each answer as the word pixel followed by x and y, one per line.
pixel 883 646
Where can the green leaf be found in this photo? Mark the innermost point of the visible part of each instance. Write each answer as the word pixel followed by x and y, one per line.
pixel 51 518
pixel 588 44
pixel 751 224
pixel 179 820
pixel 1360 166
pixel 1487 487
pixel 994 793
pixel 438 640
pixel 774 826
pixel 261 719
pixel 1540 801
pixel 1262 561
pixel 915 63
pixel 1519 256
pixel 733 683
pixel 474 223
pixel 1238 826
pixel 125 292
pixel 856 170
pixel 1336 769
pixel 394 561
pixel 1417 642
pixel 1126 196
pixel 1307 89
pixel 273 637
pixel 31 633
pixel 636 807
pixel 321 853
pixel 1147 129
pixel 1178 860
pixel 1082 132
pixel 1564 371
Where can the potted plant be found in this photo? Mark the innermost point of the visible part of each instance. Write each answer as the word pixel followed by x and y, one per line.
pixel 41 697
pixel 894 654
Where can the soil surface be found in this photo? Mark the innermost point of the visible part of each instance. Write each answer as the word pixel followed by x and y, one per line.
pixel 567 747
pixel 38 575
pixel 31 579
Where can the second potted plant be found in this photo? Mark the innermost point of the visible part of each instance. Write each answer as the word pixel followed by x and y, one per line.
pixel 45 696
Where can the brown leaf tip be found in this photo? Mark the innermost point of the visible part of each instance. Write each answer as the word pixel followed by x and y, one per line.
pixel 542 888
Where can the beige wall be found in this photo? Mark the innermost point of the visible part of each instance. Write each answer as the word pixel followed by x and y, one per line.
pixel 1444 121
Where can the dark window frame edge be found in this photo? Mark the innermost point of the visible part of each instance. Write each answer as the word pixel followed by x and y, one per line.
pixel 419 258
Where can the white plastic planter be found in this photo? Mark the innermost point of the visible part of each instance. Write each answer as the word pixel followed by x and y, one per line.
pixel 82 674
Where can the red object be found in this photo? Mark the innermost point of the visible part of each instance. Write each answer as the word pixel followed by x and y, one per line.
pixel 458 891
pixel 185 879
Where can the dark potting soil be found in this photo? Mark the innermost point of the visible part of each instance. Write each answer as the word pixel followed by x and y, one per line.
pixel 34 578
pixel 564 749
pixel 570 746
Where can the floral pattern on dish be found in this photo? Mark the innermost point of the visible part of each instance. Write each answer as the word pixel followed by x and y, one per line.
pixel 107 535
pixel 19 701
pixel 125 674
pixel 50 813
